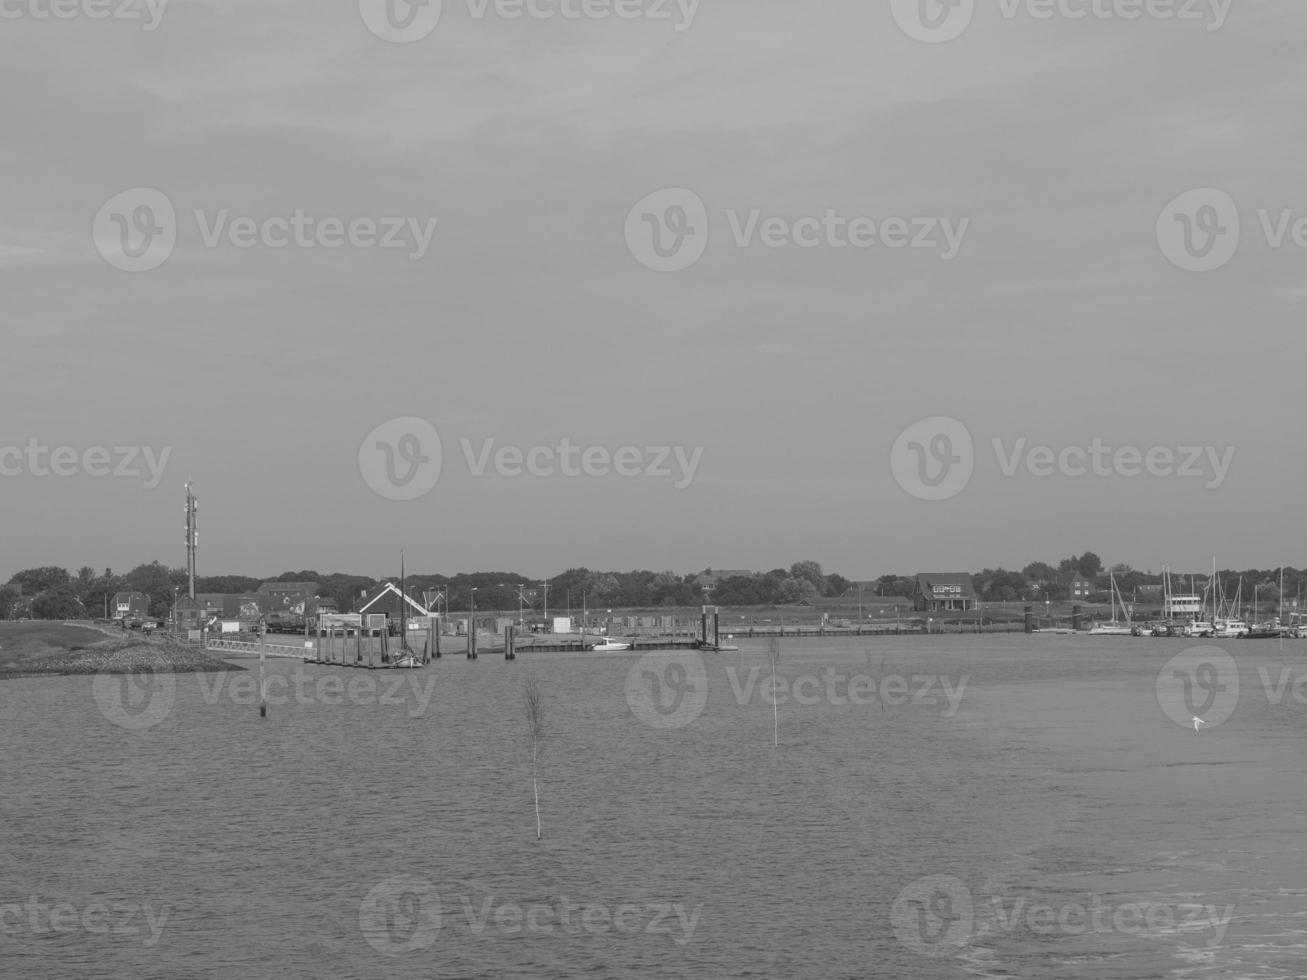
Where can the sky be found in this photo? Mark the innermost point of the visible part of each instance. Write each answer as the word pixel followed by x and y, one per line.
pixel 891 286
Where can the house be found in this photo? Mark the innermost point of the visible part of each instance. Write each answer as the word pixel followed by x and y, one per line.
pixel 943 591
pixel 710 578
pixel 286 596
pixel 1079 587
pixel 189 614
pixel 319 604
pixel 130 605
pixel 387 600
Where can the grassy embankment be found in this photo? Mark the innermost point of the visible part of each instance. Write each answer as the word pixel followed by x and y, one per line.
pixel 38 648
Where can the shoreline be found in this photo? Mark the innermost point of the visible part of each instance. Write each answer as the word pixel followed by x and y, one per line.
pixel 45 656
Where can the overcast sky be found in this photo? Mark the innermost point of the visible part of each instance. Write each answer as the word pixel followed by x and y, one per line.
pixel 1044 287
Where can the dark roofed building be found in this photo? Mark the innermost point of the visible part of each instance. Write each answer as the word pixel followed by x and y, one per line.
pixel 283 595
pixel 130 605
pixel 189 613
pixel 943 591
pixel 386 598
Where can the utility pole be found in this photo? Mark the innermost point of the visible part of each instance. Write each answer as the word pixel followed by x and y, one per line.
pixel 545 586
pixel 192 540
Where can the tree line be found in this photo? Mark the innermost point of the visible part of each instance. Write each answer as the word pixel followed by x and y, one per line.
pixel 51 592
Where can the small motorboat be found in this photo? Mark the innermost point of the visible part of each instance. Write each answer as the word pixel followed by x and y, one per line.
pixel 609 646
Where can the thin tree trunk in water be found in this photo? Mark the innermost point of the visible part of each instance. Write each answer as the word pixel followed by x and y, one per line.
pixel 535 788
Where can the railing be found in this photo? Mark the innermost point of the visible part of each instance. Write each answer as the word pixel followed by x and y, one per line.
pixel 271 649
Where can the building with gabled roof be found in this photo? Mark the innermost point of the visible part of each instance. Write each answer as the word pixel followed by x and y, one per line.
pixel 943 592
pixel 387 599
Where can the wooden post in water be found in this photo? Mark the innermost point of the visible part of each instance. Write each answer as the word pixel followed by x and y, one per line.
pixel 510 653
pixel 1075 618
pixel 1030 619
pixel 263 652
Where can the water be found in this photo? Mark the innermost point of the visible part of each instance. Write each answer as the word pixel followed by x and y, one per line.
pixel 366 839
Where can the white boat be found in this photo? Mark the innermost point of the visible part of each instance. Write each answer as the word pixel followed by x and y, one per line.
pixel 1233 627
pixel 1114 628
pixel 609 646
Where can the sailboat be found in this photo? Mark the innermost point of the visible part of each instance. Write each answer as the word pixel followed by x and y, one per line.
pixel 1232 625
pixel 1113 628
pixel 407 658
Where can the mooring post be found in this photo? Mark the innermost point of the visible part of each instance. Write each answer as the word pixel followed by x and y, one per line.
pixel 510 653
pixel 1030 619
pixel 263 653
pixel 1075 617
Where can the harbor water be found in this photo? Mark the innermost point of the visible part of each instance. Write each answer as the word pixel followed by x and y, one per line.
pixel 910 807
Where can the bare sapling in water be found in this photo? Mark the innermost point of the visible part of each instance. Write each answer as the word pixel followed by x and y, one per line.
pixel 774 655
pixel 534 701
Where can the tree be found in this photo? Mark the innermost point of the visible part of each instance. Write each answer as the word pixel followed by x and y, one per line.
pixel 34 581
pixel 1089 565
pixel 60 602
pixel 809 571
pixel 1039 572
pixel 9 596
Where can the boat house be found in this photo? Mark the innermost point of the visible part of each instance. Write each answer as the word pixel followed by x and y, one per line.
pixel 943 592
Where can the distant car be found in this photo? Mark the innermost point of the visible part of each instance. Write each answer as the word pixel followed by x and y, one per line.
pixel 150 625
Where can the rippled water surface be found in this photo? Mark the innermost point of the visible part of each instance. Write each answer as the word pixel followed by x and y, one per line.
pixel 1057 824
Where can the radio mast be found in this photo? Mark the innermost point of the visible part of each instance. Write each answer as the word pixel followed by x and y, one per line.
pixel 192 540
